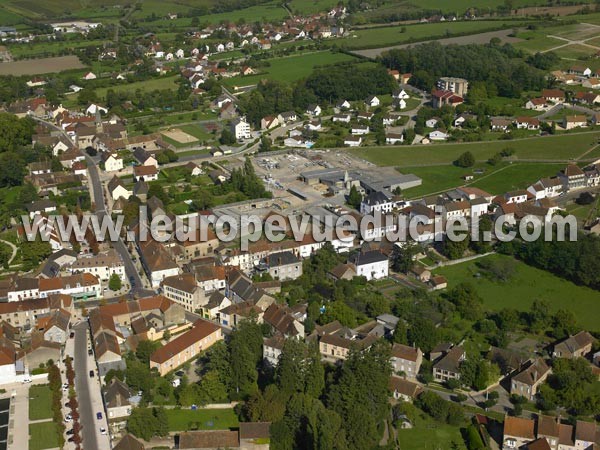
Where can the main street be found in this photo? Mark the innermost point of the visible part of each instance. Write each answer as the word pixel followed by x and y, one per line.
pixel 83 386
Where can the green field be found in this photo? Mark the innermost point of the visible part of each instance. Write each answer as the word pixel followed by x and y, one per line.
pixel 40 402
pixel 186 419
pixel 311 6
pixel 290 68
pixel 148 85
pixel 527 285
pixel 559 148
pixel 495 179
pixel 431 436
pixel 460 6
pixel 42 436
pixel 385 36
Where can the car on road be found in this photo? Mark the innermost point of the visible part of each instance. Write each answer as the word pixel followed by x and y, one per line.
pixel 91 374
pixel 70 432
pixel 99 415
pixel 68 418
pixel 102 430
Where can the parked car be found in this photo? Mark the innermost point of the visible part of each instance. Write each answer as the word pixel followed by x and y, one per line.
pixel 99 415
pixel 68 418
pixel 70 432
pixel 90 352
pixel 102 430
pixel 91 374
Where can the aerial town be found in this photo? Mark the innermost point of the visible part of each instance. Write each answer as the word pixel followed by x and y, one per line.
pixel 432 281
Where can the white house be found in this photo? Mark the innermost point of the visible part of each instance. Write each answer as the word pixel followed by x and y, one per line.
pixel 117 189
pixel 313 110
pixel 240 129
pixel 372 101
pixel 94 108
pixel 352 141
pixel 102 265
pixel 394 138
pixel 145 173
pixel 372 265
pixel 90 76
pixel 438 135
pixel 360 130
pixel 400 95
pixel 376 201
pixel 432 123
pixel 180 53
pixel 113 162
pixel 345 118
pixel 401 103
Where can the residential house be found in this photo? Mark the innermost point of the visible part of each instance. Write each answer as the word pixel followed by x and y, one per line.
pixel 394 138
pixel 376 201
pixel 284 266
pixel 572 177
pixel 526 383
pixel 102 265
pixel 448 366
pixel 406 360
pixel 117 189
pixel 268 122
pixel 553 95
pixel 240 129
pixel 352 141
pixel 185 347
pixel 283 322
pixel 577 346
pixel 372 101
pixel 145 173
pixel 517 432
pixel 576 121
pixel 157 262
pixel 119 400
pixel 403 389
pixel 372 264
pixel 183 290
pixel 527 123
pixel 313 110
pixel 442 97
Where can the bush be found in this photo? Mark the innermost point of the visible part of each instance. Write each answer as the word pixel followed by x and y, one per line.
pixel 465 160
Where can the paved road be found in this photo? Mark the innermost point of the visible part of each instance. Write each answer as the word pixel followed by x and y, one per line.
pixel 119 245
pixel 83 388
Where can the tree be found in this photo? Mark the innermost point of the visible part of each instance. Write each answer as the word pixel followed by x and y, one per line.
pixel 87 96
pixel 265 144
pixel 245 349
pixel 465 160
pixel 403 257
pixel 114 282
pixel 354 198
pixel 145 349
pixel 211 388
pixel 227 137
pixel 142 423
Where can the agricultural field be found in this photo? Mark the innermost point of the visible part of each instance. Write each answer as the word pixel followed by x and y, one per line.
pixel 290 68
pixel 495 179
pixel 527 285
pixel 311 6
pixel 50 48
pixel 41 66
pixel 460 6
pixel 559 148
pixel 391 35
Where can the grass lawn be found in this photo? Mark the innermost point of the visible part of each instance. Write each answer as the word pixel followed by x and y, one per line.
pixel 516 176
pixel 197 131
pixel 148 85
pixel 537 43
pixel 574 52
pixel 429 435
pixel 40 402
pixel 496 179
pixel 527 285
pixel 186 419
pixel 290 68
pixel 558 147
pixel 42 435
